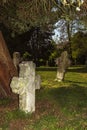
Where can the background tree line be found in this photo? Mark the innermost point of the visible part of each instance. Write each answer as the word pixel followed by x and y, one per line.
pixel 28 27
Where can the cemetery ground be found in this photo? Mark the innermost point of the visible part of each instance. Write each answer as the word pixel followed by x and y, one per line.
pixel 59 105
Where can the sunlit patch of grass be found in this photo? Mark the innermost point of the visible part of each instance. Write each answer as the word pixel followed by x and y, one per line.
pixel 74 76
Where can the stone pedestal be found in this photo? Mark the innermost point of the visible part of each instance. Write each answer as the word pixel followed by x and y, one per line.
pixel 37 81
pixel 24 85
pixel 60 76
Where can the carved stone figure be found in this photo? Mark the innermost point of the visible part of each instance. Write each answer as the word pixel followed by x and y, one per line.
pixel 24 85
pixel 16 59
pixel 63 63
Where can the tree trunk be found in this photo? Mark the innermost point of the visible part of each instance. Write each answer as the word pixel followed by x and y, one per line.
pixel 69 38
pixel 7 68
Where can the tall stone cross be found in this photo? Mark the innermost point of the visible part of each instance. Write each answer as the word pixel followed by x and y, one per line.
pixel 25 86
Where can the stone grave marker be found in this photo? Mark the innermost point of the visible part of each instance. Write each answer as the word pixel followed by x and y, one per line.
pixel 37 81
pixel 63 63
pixel 24 85
pixel 16 60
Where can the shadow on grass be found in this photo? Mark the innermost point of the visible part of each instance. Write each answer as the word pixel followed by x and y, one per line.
pixel 78 69
pixel 46 68
pixel 70 96
pixel 74 83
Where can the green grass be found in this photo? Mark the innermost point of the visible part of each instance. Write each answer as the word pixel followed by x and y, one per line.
pixel 59 105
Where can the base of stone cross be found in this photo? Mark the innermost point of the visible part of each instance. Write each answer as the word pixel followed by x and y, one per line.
pixel 60 76
pixel 58 80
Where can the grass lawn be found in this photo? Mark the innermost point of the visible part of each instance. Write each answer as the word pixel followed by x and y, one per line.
pixel 59 105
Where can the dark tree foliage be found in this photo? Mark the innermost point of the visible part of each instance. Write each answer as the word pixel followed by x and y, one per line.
pixel 24 17
pixel 36 42
pixel 19 15
pixel 79 47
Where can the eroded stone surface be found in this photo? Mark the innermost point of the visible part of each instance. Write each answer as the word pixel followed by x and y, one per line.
pixel 37 81
pixel 24 85
pixel 16 59
pixel 63 63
